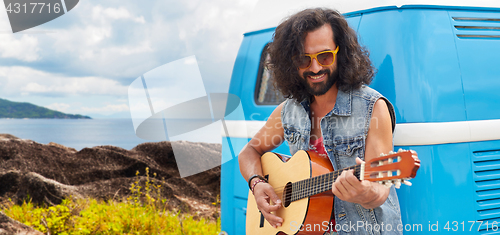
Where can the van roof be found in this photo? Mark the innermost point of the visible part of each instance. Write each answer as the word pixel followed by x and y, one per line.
pixel 269 13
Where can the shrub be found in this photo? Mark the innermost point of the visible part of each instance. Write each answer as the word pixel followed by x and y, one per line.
pixel 144 212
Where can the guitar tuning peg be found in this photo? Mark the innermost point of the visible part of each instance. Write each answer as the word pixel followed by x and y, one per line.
pixel 407 182
pixel 383 155
pixel 400 150
pixel 388 184
pixel 397 184
pixel 391 152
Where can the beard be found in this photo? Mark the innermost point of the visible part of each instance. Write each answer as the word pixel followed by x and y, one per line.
pixel 318 89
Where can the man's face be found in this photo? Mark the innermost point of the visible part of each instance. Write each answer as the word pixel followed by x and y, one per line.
pixel 317 78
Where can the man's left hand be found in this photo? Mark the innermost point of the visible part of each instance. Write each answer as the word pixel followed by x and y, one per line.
pixel 348 188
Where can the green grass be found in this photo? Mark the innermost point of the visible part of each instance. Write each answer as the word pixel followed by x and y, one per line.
pixel 90 216
pixel 141 213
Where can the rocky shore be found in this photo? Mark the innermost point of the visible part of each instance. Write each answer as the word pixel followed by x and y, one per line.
pixel 49 173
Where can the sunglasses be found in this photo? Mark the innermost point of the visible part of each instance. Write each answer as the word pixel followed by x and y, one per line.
pixel 324 58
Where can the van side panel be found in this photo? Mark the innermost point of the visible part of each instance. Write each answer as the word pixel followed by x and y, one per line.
pixel 233 191
pixel 239 67
pixel 432 74
pixel 477 37
pixel 231 208
pixel 418 69
pixel 253 111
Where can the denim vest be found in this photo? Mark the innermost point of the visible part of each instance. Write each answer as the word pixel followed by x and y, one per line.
pixel 344 131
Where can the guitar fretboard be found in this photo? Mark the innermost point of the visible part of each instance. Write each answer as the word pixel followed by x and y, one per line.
pixel 315 185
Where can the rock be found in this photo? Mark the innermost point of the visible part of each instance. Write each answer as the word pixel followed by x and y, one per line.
pixel 52 172
pixel 42 190
pixel 9 226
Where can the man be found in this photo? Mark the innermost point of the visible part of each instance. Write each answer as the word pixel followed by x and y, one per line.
pixel 322 70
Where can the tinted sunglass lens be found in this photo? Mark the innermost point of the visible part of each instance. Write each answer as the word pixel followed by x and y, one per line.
pixel 304 61
pixel 325 58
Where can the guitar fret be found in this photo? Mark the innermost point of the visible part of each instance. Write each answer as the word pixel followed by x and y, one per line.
pixel 314 185
pixel 318 184
pixel 301 185
pixel 298 190
pixel 308 185
pixel 321 183
pixel 326 182
pixel 312 189
pixel 302 189
pixel 304 185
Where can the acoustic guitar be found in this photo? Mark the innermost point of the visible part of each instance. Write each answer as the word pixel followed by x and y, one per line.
pixel 304 185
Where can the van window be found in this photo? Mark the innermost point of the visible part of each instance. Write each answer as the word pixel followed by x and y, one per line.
pixel 265 92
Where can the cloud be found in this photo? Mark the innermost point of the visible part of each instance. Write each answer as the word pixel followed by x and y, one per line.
pixel 115 14
pixel 108 109
pixel 100 47
pixel 83 109
pixel 27 81
pixel 21 47
pixel 61 107
pixel 123 42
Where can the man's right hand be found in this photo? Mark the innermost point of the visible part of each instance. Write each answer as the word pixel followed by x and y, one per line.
pixel 265 196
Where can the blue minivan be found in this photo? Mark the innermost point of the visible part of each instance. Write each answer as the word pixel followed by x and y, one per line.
pixel 438 62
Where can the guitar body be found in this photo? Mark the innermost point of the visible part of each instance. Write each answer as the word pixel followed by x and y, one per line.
pixel 307 180
pixel 312 213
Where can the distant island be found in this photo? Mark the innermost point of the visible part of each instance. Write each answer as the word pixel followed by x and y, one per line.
pixel 9 109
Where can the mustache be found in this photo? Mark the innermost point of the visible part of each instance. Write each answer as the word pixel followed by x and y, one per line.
pixel 309 73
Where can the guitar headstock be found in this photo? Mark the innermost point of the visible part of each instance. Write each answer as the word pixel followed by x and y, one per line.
pixel 393 168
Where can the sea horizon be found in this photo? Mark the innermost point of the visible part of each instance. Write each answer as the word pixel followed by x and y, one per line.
pixel 82 133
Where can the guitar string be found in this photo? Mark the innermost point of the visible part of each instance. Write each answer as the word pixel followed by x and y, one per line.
pixel 299 194
pixel 305 185
pixel 320 184
pixel 334 173
pixel 308 191
pixel 324 184
pixel 321 177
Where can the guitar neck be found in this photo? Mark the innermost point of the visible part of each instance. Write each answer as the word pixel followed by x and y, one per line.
pixel 322 183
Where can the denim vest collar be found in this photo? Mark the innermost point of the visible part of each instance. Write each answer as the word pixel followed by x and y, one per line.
pixel 342 104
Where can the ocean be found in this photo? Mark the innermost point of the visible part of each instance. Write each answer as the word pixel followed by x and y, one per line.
pixel 75 133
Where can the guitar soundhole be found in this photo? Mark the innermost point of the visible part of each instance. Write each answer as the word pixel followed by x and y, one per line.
pixel 287 194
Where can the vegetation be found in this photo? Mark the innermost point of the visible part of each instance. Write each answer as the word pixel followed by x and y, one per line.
pixel 9 109
pixel 142 213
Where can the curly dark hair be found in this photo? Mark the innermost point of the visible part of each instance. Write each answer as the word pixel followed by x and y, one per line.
pixel 353 64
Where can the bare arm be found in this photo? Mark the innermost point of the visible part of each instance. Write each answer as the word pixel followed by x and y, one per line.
pixel 379 140
pixel 268 138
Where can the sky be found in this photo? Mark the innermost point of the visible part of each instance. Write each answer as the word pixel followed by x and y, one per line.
pixel 84 61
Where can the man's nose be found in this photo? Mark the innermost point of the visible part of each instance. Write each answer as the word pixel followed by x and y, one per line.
pixel 315 66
